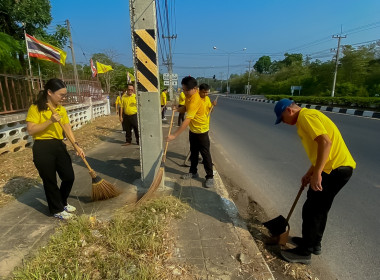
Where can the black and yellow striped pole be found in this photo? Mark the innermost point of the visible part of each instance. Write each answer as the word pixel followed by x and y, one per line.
pixel 145 58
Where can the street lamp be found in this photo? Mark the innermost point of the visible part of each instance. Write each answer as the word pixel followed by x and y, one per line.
pixel 228 65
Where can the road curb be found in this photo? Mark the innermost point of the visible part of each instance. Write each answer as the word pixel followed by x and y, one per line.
pixel 241 229
pixel 354 112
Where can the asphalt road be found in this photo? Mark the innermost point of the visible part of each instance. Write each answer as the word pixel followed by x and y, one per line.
pixel 269 161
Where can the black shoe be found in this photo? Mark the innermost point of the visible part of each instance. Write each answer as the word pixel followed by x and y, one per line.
pixel 316 250
pixel 297 255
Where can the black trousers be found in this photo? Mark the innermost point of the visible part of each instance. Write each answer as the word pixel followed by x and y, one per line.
pixel 51 157
pixel 163 111
pixel 129 122
pixel 200 143
pixel 318 203
pixel 181 116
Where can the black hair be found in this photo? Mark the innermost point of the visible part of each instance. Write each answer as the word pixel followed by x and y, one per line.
pixel 189 82
pixel 129 84
pixel 53 85
pixel 204 87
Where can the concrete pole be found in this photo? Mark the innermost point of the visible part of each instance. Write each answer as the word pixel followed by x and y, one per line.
pixel 249 75
pixel 228 74
pixel 145 59
pixel 336 63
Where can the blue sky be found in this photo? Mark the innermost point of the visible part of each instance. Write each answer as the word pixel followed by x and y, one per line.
pixel 270 27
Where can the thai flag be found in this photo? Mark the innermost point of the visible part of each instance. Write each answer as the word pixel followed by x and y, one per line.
pixel 44 51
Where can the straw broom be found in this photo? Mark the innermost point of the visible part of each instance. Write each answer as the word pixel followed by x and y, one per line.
pixel 101 189
pixel 157 179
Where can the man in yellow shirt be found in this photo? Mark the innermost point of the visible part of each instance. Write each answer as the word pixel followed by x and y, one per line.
pixel 197 120
pixel 163 103
pixel 117 104
pixel 181 103
pixel 118 108
pixel 128 115
pixel 331 168
pixel 204 90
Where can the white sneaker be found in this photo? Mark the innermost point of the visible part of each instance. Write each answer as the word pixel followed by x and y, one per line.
pixel 64 215
pixel 69 208
pixel 164 119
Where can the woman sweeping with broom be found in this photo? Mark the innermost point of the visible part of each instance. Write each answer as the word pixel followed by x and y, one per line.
pixel 50 155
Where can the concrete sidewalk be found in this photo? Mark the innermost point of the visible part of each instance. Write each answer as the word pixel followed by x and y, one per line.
pixel 211 236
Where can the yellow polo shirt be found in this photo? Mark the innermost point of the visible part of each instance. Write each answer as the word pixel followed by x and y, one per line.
pixel 196 111
pixel 129 104
pixel 53 131
pixel 312 123
pixel 163 98
pixel 182 98
pixel 208 106
pixel 118 101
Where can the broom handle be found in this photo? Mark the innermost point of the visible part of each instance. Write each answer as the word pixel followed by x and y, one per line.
pixel 167 142
pixel 295 203
pixel 212 106
pixel 68 135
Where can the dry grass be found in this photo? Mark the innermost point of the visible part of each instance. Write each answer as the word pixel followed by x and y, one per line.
pixel 280 268
pixel 18 173
pixel 132 245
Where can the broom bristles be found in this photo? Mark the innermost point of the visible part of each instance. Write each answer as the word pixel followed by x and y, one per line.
pixel 102 190
pixel 153 187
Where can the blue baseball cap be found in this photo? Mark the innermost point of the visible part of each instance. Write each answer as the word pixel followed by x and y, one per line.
pixel 280 107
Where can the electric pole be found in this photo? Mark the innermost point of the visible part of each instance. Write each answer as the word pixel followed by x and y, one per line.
pixel 249 75
pixel 339 37
pixel 145 60
pixel 221 82
pixel 76 78
pixel 169 63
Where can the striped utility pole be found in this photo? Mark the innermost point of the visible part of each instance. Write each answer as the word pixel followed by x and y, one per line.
pixel 145 60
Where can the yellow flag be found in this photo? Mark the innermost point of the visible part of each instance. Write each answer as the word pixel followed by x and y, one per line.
pixel 102 68
pixel 130 77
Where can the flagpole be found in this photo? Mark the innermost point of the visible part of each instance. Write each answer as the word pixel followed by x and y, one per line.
pixel 60 71
pixel 39 74
pixel 73 59
pixel 27 53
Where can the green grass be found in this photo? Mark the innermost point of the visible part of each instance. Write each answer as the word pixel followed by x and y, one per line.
pixel 132 245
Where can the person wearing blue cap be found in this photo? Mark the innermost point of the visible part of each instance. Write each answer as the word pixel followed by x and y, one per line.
pixel 331 168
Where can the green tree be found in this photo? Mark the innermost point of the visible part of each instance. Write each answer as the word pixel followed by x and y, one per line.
pixel 263 64
pixel 32 15
pixel 354 64
pixel 9 48
pixel 292 59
